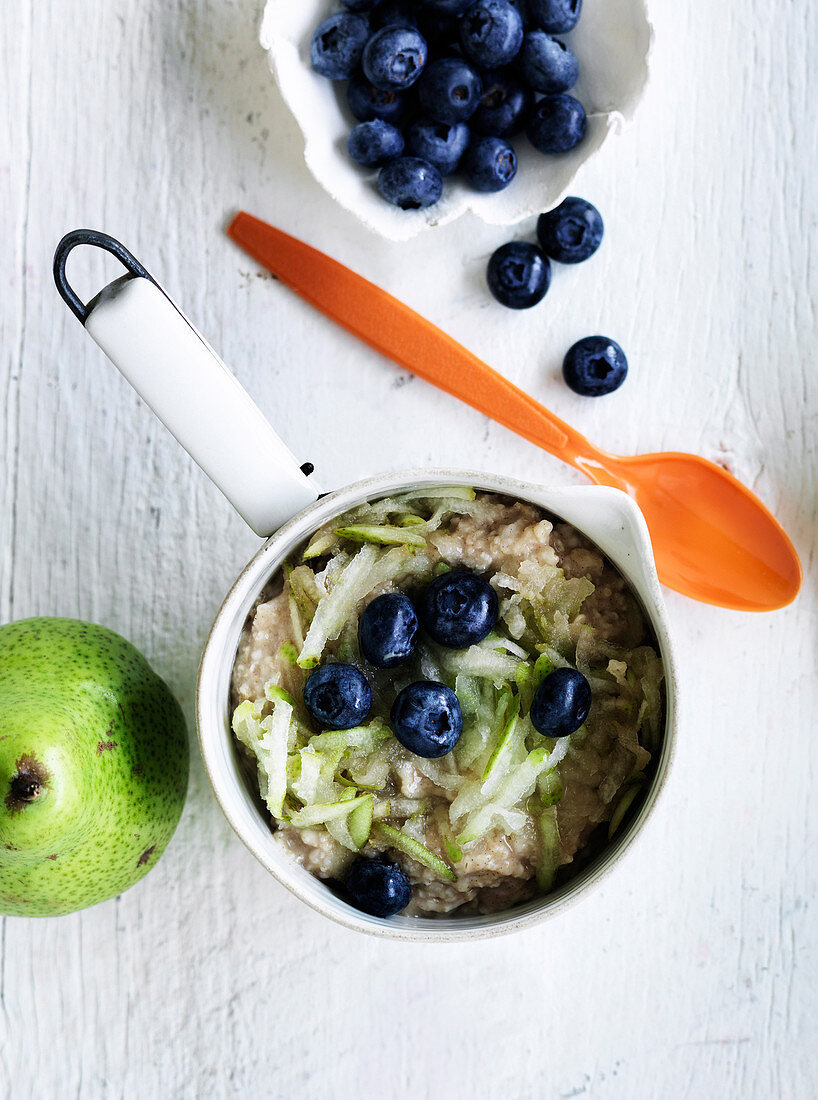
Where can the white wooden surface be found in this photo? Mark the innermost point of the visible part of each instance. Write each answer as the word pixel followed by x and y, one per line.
pixel 693 971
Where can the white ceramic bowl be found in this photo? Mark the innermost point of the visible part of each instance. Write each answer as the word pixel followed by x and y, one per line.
pixel 607 516
pixel 612 42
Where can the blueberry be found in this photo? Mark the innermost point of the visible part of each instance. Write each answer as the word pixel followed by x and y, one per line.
pixel 394 58
pixel 440 143
pixel 595 366
pixel 547 64
pixel 338 45
pixel 374 143
pixel 557 124
pixel 378 887
pixel 555 16
pixel 360 5
pixel 367 102
pixel 490 164
pixel 388 630
pixel 450 90
pixel 561 703
pixel 504 106
pixel 410 183
pixel 491 33
pixel 395 13
pixel 572 232
pixel 337 696
pixel 449 7
pixel 519 275
pixel 426 719
pixel 459 609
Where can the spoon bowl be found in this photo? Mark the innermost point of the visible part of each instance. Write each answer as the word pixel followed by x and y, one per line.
pixel 713 539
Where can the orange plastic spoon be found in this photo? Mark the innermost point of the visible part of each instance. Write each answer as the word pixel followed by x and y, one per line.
pixel 712 538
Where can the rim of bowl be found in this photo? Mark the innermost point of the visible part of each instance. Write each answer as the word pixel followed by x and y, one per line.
pixel 240 803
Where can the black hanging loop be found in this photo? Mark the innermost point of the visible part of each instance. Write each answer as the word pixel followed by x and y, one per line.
pixel 99 240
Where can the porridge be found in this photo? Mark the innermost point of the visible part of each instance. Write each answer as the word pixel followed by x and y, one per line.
pixel 450 695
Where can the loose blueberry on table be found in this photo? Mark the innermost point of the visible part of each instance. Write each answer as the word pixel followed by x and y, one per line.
pixel 388 630
pixel 459 609
pixel 403 62
pixel 338 696
pixel 595 366
pixel 378 887
pixel 572 232
pixel 561 703
pixel 519 275
pixel 426 718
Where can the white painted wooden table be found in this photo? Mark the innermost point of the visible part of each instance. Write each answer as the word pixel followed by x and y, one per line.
pixel 693 971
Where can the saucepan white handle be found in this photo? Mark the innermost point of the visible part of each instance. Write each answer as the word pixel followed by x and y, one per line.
pixel 173 368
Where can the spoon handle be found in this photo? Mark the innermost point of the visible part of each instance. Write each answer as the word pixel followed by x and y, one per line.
pixel 401 334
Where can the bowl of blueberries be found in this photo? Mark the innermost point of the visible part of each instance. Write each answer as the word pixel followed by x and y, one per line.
pixel 416 111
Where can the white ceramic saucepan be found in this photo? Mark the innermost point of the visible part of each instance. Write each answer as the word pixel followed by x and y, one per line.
pixel 191 390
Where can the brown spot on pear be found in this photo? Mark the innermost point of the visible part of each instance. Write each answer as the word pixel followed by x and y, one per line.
pixel 146 855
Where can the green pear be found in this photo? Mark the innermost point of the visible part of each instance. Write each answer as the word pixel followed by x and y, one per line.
pixel 93 766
